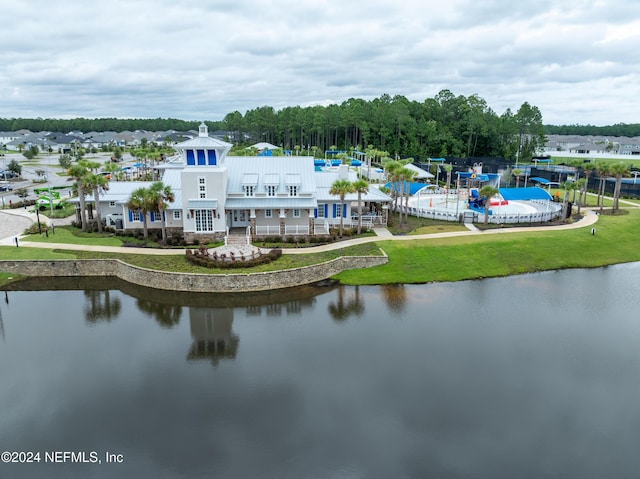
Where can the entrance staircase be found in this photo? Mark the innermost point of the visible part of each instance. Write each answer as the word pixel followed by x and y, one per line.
pixel 237 237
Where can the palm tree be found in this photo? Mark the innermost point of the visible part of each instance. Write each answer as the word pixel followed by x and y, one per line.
pixel 98 184
pixel 407 175
pixel 487 192
pixel 602 170
pixel 161 195
pixel 581 185
pixel 392 168
pixel 517 172
pixel 587 169
pixel 361 187
pixel 140 200
pixel 567 186
pixel 114 171
pixel 448 168
pixel 618 170
pixel 79 172
pixel 341 188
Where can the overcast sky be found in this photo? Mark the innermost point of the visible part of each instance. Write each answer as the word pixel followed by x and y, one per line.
pixel 576 60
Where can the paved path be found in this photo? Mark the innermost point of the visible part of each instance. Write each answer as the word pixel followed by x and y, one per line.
pixel 14 220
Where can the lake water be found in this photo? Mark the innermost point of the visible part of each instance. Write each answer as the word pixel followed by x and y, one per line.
pixel 524 377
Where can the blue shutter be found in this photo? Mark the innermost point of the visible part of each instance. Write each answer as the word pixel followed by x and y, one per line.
pixel 191 160
pixel 326 210
pixel 344 210
pixel 335 209
pixel 212 157
pixel 315 213
pixel 130 216
pixel 153 217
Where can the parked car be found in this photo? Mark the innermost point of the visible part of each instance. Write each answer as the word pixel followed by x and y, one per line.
pixel 6 187
pixel 8 174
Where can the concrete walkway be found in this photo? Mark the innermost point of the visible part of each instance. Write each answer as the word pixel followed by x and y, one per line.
pixel 12 224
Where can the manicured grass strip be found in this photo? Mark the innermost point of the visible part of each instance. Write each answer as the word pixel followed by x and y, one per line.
pixel 71 236
pixel 454 259
pixel 11 252
pixel 180 264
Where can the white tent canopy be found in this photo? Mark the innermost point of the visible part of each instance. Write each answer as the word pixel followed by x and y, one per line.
pixel 263 146
pixel 420 173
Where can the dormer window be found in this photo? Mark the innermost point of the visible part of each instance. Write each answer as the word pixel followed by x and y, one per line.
pixel 293 182
pixel 203 130
pixel 271 183
pixel 249 183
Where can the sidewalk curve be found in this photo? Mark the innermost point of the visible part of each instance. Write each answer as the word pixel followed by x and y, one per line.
pixel 589 219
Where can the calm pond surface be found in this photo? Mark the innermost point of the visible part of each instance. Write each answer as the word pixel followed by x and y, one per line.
pixel 533 376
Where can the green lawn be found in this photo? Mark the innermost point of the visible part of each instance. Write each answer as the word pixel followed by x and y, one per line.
pixel 70 235
pixel 454 259
pixel 420 261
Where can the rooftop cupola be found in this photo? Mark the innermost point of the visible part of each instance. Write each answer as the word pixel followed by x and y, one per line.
pixel 204 131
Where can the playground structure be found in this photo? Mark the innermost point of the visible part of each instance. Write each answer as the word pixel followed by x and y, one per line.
pixel 49 198
pixel 464 203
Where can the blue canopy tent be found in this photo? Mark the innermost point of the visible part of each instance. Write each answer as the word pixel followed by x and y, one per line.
pixel 524 194
pixel 542 181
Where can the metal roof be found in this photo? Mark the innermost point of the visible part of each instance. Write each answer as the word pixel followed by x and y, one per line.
pixel 204 203
pixel 269 171
pixel 271 202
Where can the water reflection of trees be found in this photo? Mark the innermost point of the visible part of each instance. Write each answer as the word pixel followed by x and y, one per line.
pixel 344 308
pixel 395 295
pixel 167 315
pixel 100 306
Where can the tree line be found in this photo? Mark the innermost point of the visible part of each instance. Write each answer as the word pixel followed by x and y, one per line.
pixel 445 125
pixel 619 129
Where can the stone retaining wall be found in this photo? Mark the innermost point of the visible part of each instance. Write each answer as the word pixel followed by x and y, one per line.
pixel 218 283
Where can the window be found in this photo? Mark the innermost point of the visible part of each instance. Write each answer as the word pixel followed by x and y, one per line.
pixel 338 211
pixel 112 204
pixel 268 213
pixel 271 190
pixel 135 216
pixel 204 220
pixel 176 214
pixel 248 190
pixel 202 187
pixel 293 190
pixel 320 210
pixel 296 213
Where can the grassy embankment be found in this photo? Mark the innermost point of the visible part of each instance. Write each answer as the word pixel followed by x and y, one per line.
pixel 427 260
pixel 460 258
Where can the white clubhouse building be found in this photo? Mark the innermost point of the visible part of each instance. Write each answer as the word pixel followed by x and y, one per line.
pixel 265 195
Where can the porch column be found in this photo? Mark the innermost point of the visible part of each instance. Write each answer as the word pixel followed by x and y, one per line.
pixel 252 221
pixel 283 216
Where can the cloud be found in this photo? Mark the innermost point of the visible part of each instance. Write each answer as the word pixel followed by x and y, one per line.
pixel 196 60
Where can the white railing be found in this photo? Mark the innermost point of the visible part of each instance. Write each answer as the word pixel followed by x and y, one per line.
pixel 296 230
pixel 321 229
pixel 553 211
pixel 268 230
